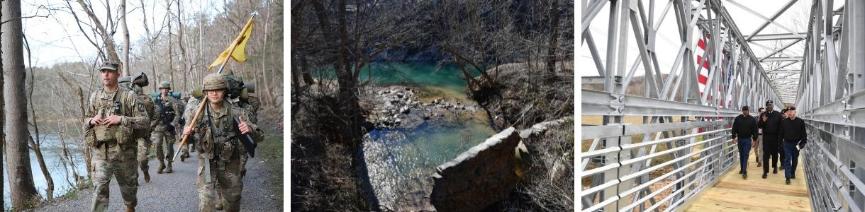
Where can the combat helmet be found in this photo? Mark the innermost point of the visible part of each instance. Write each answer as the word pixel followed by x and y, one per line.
pixel 214 81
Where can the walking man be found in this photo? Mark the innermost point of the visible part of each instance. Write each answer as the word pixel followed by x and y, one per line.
pixel 114 113
pixel 744 131
pixel 164 131
pixel 770 122
pixel 221 152
pixel 142 136
pixel 794 136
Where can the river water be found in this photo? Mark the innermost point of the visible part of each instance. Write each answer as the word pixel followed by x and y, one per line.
pixel 400 161
pixel 51 151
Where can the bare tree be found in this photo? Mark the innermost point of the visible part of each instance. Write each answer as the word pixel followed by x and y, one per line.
pixel 2 119
pixel 554 37
pixel 21 177
pixel 151 39
pixel 125 37
pixel 170 65
pixel 35 141
pixel 107 39
pixel 184 60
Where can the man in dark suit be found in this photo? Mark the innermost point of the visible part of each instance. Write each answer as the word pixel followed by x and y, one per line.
pixel 770 122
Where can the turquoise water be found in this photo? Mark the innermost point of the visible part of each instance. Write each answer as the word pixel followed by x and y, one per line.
pixel 402 162
pixel 446 76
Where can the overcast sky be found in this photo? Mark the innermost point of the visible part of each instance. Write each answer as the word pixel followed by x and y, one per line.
pixel 795 18
pixel 56 38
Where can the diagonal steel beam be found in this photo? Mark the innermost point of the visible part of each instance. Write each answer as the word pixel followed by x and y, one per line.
pixel 772 19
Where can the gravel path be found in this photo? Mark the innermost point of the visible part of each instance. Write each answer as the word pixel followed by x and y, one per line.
pixel 177 191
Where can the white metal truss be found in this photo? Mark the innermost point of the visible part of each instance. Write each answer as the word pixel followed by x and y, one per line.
pixel 781 56
pixel 679 122
pixel 832 101
pixel 826 83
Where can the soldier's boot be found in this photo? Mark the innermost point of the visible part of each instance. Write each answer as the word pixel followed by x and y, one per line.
pixel 130 209
pixel 144 169
pixel 184 155
pixel 168 168
pixel 219 200
pixel 161 167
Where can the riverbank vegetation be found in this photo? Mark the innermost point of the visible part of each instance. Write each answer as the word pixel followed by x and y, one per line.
pixel 513 56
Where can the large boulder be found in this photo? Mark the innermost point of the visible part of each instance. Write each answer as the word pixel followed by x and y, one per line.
pixel 479 177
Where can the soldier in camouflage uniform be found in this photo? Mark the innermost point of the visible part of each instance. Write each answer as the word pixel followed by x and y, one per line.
pixel 219 148
pixel 250 103
pixel 114 113
pixel 164 130
pixel 188 110
pixel 142 136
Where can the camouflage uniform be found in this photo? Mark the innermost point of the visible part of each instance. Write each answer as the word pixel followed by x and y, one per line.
pixel 251 105
pixel 142 136
pixel 113 146
pixel 221 152
pixel 162 136
pixel 188 111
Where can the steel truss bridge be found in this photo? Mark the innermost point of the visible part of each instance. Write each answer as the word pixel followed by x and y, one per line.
pixel 656 124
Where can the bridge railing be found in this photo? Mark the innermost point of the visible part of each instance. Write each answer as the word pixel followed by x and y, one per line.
pixel 676 151
pixel 832 183
pixel 661 127
pixel 831 99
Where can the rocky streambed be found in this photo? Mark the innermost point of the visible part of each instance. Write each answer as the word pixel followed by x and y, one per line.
pixel 415 129
pixel 400 107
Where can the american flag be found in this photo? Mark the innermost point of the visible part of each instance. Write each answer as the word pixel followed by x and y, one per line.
pixel 702 65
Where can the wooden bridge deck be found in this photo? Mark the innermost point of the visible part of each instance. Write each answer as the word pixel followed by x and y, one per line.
pixel 732 193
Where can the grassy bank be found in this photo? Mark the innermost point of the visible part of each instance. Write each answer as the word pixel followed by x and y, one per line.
pixel 271 153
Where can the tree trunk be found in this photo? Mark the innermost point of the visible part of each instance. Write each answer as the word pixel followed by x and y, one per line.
pixel 183 60
pixel 2 123
pixel 49 190
pixel 150 44
pixel 350 108
pixel 554 38
pixel 298 70
pixel 125 71
pixel 265 94
pixel 170 68
pixel 21 177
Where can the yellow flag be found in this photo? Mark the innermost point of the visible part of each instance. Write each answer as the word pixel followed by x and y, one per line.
pixel 237 49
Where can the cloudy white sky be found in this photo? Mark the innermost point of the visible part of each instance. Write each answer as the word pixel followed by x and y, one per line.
pixel 795 18
pixel 56 38
pixel 748 16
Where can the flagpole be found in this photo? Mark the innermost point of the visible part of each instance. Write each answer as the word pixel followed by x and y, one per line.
pixel 201 105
